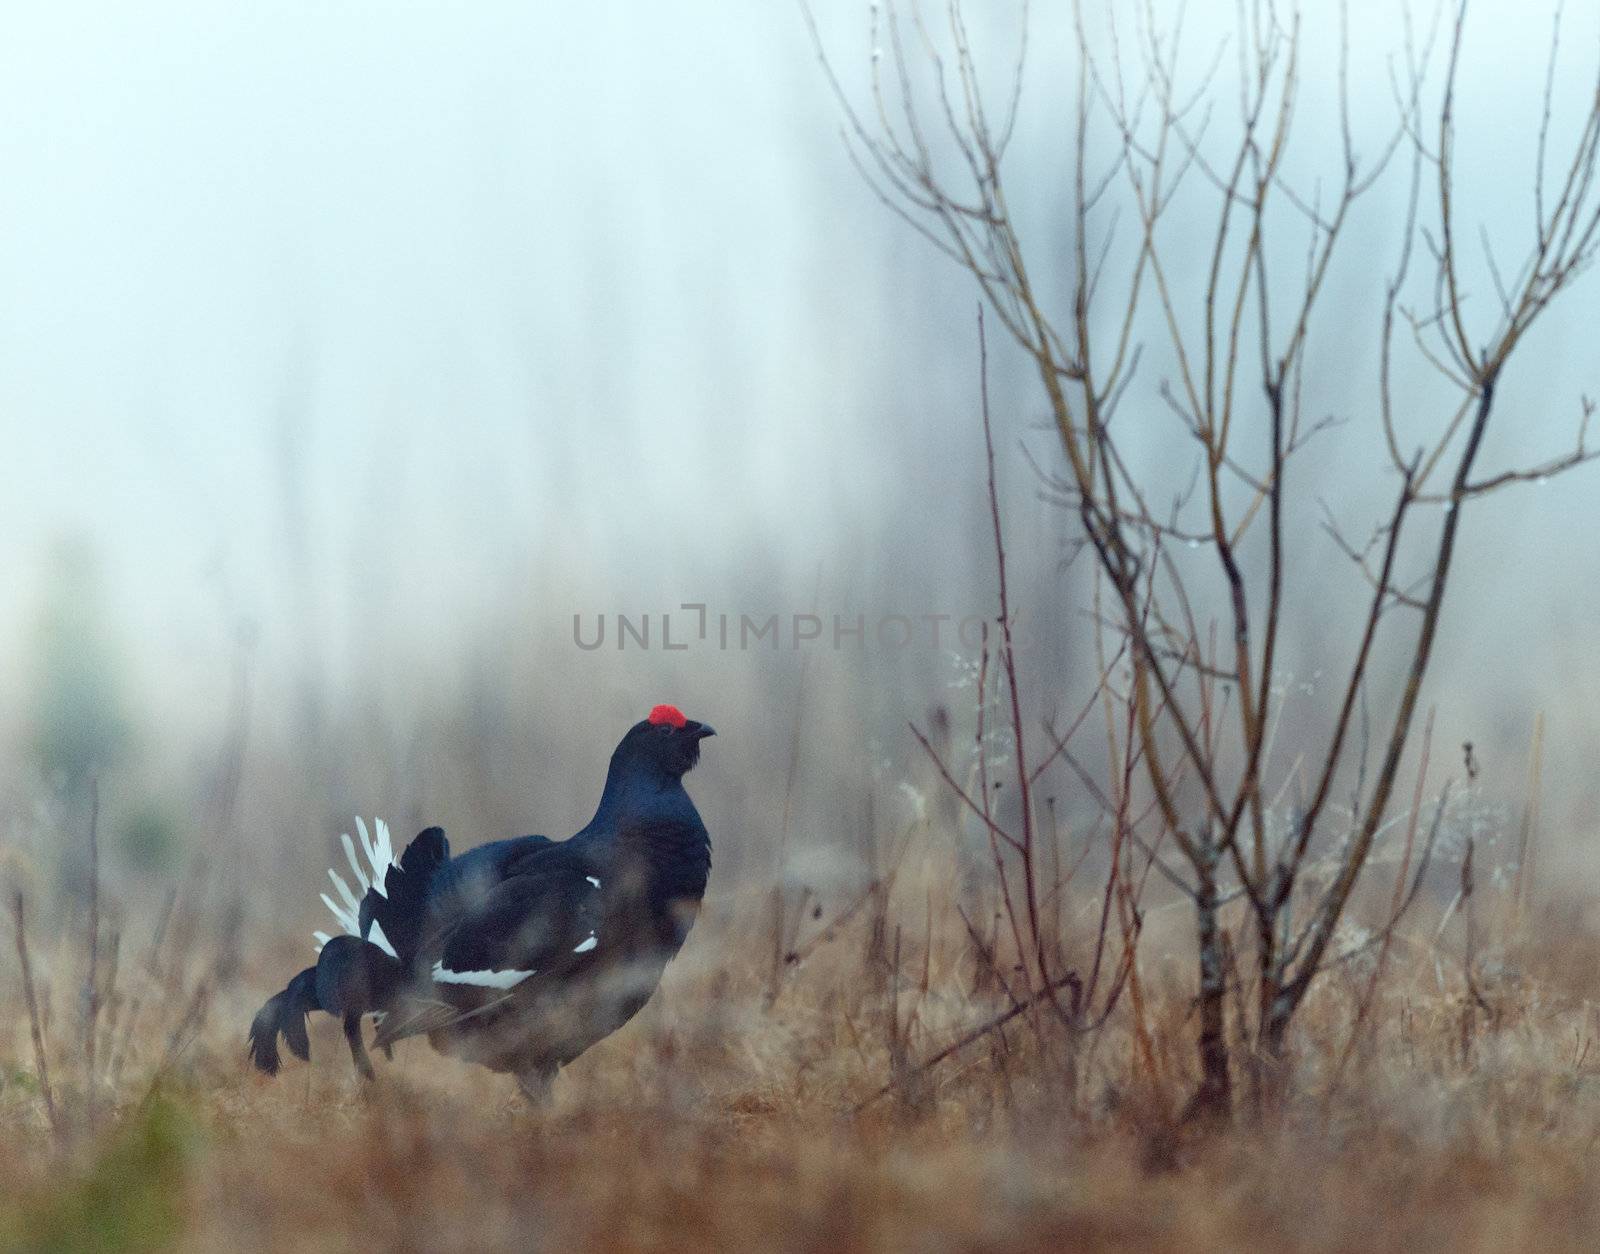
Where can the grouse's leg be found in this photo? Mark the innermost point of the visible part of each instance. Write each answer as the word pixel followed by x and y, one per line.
pixel 535 1084
pixel 358 1047
pixel 355 978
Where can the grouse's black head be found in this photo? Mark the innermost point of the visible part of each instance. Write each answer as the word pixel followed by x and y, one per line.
pixel 667 740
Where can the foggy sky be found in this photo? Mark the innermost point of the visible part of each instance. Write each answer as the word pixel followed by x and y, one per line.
pixel 397 330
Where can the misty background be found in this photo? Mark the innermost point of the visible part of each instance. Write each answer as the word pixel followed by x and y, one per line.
pixel 347 352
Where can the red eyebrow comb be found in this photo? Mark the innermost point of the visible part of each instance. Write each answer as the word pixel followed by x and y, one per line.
pixel 668 714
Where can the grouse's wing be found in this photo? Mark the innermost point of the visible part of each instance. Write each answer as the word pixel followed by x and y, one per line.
pixel 542 922
pixel 481 868
pixel 460 886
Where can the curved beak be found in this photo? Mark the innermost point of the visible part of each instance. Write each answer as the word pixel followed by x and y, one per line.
pixel 702 730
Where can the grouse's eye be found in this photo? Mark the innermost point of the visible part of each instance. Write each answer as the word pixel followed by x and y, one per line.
pixel 665 729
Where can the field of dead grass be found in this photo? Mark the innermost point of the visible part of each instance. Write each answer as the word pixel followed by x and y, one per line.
pixel 726 1118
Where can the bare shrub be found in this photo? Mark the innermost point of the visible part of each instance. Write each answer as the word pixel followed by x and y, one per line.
pixel 1193 705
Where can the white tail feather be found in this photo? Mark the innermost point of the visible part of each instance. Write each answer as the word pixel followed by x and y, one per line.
pixel 366 840
pixel 350 898
pixel 386 856
pixel 379 853
pixel 347 921
pixel 355 865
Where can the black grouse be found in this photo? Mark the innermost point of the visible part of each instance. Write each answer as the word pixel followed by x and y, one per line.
pixel 519 954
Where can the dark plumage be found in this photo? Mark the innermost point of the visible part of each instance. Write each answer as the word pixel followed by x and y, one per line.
pixel 519 954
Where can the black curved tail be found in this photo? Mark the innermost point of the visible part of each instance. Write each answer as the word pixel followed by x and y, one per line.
pixel 352 978
pixel 285 1015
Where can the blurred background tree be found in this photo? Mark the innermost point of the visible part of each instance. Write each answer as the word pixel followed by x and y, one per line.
pixel 78 721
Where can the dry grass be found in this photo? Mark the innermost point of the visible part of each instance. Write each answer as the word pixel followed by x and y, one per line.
pixel 716 1121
